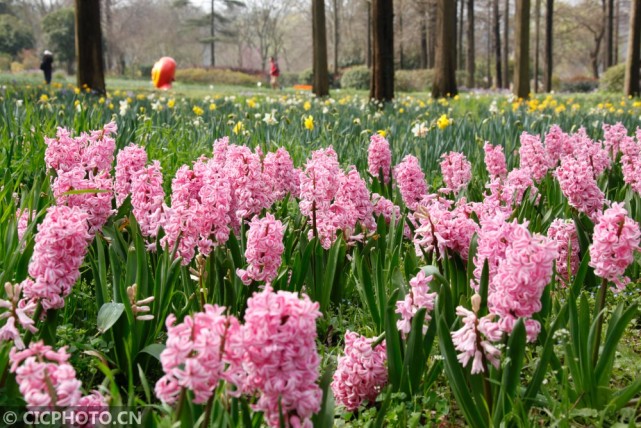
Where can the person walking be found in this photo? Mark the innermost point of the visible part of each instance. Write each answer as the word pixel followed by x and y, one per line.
pixel 274 72
pixel 47 65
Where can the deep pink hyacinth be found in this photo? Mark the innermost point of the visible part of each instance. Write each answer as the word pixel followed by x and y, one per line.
pixel 631 162
pixel 284 178
pixel 494 160
pixel 361 373
pixel 616 238
pixel 534 157
pixel 563 232
pixel 129 161
pixel 45 377
pixel 352 204
pixel 456 170
pixel 410 180
pixel 379 157
pixel 63 152
pixel 576 178
pixel 613 136
pixel 96 203
pixel 474 340
pixel 99 152
pixel 60 247
pixel 589 151
pixel 557 144
pixel 264 250
pixel 147 199
pixel 195 356
pixel 280 358
pixel 386 208
pixel 520 280
pixel 319 181
pixel 418 297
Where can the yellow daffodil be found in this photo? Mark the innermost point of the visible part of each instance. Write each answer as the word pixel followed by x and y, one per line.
pixel 251 103
pixel 171 103
pixel 212 107
pixel 382 133
pixel 44 98
pixel 307 106
pixel 76 90
pixel 198 111
pixel 238 128
pixel 309 123
pixel 443 122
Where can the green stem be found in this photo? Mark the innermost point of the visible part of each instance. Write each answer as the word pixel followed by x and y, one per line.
pixel 181 403
pixel 599 309
pixel 378 340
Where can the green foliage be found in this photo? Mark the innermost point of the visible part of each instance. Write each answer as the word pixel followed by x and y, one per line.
pixel 579 84
pixel 59 31
pixel 306 76
pixel 413 80
pixel 14 35
pixel 356 78
pixel 613 79
pixel 216 77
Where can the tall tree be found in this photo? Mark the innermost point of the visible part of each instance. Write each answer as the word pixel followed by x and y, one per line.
pixel 423 30
pixel 320 81
pixel 537 36
pixel 368 53
pixel 522 49
pixel 431 46
pixel 617 21
pixel 382 80
pixel 506 44
pixel 460 63
pixel 608 53
pixel 336 34
pixel 401 53
pixel 470 63
pixel 548 58
pixel 445 67
pixel 634 50
pixel 496 37
pixel 91 63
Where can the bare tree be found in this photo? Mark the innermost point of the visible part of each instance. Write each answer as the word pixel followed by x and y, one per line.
pixel 608 53
pixel 537 37
pixel 459 38
pixel 265 19
pixel 496 25
pixel 320 81
pixel 506 44
pixel 91 68
pixel 471 66
pixel 549 33
pixel 634 48
pixel 382 80
pixel 445 68
pixel 522 49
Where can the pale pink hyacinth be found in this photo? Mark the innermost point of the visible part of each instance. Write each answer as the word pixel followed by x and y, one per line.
pixel 361 373
pixel 616 238
pixel 557 144
pixel 456 170
pixel 45 377
pixel 96 203
pixel 214 209
pixel 352 204
pixel 195 355
pixel 591 152
pixel 577 182
pixel 284 178
pixel 613 136
pixel 386 208
pixel 534 158
pixel 563 232
pixel 495 160
pixel 264 250
pixel 418 297
pixel 60 247
pixel 89 409
pixel 518 181
pixel 379 157
pixel 23 217
pixel 410 180
pixel 520 280
pixel 474 340
pixel 19 312
pixel 281 359
pixel 631 163
pixel 129 161
pixel 319 181
pixel 147 198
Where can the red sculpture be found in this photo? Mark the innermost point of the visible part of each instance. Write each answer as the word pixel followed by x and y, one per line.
pixel 162 74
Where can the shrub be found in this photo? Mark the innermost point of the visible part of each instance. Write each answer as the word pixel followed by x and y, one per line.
pixel 413 80
pixel 289 79
pixel 579 84
pixel 356 78
pixel 612 79
pixel 306 76
pixel 5 62
pixel 216 77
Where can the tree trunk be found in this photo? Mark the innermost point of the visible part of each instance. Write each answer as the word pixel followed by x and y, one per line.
pixel 368 52
pixel 382 81
pixel 549 33
pixel 431 47
pixel 506 45
pixel 460 63
pixel 320 82
pixel 537 36
pixel 91 68
pixel 634 46
pixel 496 26
pixel 522 49
pixel 488 48
pixel 401 59
pixel 336 36
pixel 424 38
pixel 470 44
pixel 212 32
pixel 617 21
pixel 445 66
pixel 608 54
pixel 109 57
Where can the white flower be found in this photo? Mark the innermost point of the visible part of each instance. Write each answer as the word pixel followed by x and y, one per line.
pixel 270 119
pixel 19 103
pixel 420 130
pixel 156 106
pixel 494 109
pixel 124 107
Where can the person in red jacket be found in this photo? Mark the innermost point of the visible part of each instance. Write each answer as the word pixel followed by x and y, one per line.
pixel 274 72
